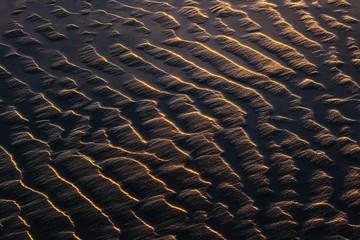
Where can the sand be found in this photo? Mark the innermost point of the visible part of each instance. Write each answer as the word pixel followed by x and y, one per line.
pixel 166 119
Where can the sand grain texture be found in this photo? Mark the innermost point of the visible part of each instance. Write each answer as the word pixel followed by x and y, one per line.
pixel 189 120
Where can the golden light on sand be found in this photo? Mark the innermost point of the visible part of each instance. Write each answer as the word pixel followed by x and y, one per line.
pixel 167 119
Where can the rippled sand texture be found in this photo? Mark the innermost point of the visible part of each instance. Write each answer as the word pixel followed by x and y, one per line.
pixel 179 119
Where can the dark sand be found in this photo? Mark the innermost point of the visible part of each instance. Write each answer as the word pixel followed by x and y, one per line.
pixel 169 119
